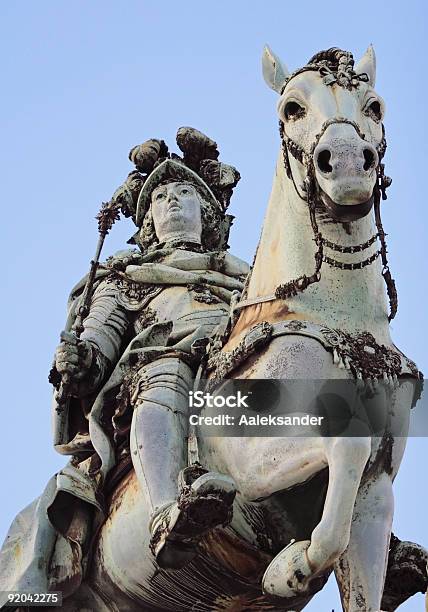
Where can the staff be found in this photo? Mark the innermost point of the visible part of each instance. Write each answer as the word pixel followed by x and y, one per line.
pixel 108 214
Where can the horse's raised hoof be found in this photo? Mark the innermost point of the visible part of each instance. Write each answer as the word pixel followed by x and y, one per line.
pixel 289 573
pixel 201 506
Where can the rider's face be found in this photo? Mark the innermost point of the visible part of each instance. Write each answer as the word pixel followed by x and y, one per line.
pixel 176 212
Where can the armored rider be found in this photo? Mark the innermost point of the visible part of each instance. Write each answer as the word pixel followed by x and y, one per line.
pixel 151 315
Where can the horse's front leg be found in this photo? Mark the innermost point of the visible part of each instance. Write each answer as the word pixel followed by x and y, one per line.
pixel 292 570
pixel 360 571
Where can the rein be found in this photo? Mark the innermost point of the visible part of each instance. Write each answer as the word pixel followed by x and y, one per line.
pixel 311 196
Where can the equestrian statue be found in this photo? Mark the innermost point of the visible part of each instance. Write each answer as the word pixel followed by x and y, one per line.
pixel 152 515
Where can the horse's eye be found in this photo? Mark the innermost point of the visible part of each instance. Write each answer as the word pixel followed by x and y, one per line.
pixel 293 110
pixel 374 110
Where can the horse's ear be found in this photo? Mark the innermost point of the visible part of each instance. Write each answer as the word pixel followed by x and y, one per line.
pixel 367 64
pixel 275 72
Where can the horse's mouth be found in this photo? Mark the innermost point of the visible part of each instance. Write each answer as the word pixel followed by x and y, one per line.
pixel 346 212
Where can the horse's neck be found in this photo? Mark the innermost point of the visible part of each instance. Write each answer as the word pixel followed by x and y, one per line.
pixel 349 300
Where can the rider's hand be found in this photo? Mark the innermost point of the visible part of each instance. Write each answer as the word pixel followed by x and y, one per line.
pixel 73 357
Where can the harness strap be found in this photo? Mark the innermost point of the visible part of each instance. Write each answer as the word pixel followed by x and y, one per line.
pixel 258 300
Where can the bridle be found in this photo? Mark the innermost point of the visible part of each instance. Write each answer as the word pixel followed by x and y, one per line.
pixel 311 194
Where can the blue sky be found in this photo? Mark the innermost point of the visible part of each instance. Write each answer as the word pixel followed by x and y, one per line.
pixel 85 81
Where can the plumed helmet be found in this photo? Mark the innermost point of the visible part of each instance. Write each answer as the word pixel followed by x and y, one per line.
pixel 197 165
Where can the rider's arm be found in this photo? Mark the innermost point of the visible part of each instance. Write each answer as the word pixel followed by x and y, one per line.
pixel 90 360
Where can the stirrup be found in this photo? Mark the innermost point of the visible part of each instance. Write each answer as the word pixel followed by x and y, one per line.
pixel 177 527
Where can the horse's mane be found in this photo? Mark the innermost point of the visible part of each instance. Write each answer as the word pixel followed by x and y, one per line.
pixel 333 58
pixel 336 66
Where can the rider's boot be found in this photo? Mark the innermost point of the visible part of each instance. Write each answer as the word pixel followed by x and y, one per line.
pixel 158 448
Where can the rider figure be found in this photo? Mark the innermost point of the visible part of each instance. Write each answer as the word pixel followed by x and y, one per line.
pixel 165 305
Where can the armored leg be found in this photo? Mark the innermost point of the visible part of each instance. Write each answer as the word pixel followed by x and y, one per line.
pixel 159 427
pixel 159 449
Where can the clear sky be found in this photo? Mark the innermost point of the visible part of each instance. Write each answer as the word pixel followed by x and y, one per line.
pixel 82 82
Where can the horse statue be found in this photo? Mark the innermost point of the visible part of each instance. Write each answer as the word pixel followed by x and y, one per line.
pixel 314 308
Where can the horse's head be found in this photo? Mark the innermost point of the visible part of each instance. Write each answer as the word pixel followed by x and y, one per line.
pixel 331 126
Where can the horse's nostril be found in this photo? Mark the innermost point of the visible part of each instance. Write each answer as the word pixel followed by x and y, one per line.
pixel 369 159
pixel 323 161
